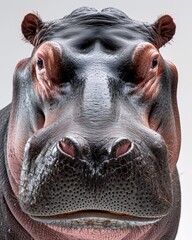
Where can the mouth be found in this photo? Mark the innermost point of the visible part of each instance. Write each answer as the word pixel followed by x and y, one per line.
pixel 91 219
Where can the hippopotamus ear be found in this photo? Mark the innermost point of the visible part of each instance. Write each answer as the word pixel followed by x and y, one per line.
pixel 165 29
pixel 30 27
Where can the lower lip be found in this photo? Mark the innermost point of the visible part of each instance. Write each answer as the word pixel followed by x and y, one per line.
pixel 95 220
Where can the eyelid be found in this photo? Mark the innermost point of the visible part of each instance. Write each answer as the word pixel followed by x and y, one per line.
pixel 155 54
pixel 40 55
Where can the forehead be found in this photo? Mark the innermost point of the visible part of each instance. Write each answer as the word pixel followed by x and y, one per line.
pixel 110 27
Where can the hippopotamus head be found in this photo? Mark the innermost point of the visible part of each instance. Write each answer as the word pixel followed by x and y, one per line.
pixel 94 131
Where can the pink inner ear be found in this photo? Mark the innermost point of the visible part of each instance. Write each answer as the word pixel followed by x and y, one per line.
pixel 67 149
pixel 121 150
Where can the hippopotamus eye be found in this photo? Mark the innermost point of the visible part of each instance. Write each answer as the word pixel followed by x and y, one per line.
pixel 154 63
pixel 40 63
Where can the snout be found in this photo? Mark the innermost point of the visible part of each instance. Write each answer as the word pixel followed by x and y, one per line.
pixel 121 177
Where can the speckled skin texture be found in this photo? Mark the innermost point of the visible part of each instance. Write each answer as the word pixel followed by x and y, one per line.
pixel 90 142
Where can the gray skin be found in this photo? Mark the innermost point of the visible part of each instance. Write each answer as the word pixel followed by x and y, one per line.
pixel 90 142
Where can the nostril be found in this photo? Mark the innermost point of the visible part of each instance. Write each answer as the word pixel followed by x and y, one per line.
pixel 67 148
pixel 121 148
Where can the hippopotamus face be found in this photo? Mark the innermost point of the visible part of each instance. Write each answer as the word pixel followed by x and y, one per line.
pixel 94 129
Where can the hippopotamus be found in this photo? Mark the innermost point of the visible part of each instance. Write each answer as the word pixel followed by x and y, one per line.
pixel 90 141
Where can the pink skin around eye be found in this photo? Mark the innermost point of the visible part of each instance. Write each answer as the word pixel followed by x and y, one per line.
pixel 143 57
pixel 148 71
pixel 47 71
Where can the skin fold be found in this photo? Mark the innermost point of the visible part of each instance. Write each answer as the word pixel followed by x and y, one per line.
pixel 90 141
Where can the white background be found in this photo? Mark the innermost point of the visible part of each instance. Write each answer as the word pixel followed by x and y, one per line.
pixel 13 49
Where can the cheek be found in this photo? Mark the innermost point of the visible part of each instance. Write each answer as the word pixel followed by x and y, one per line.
pixel 170 137
pixel 18 134
pixel 39 120
pixel 173 69
pixel 15 152
pixel 166 128
pixel 53 117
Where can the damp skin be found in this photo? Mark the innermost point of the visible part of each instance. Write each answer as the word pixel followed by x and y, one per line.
pixel 93 133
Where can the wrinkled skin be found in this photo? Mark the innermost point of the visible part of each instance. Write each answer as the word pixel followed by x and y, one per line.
pixel 90 142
